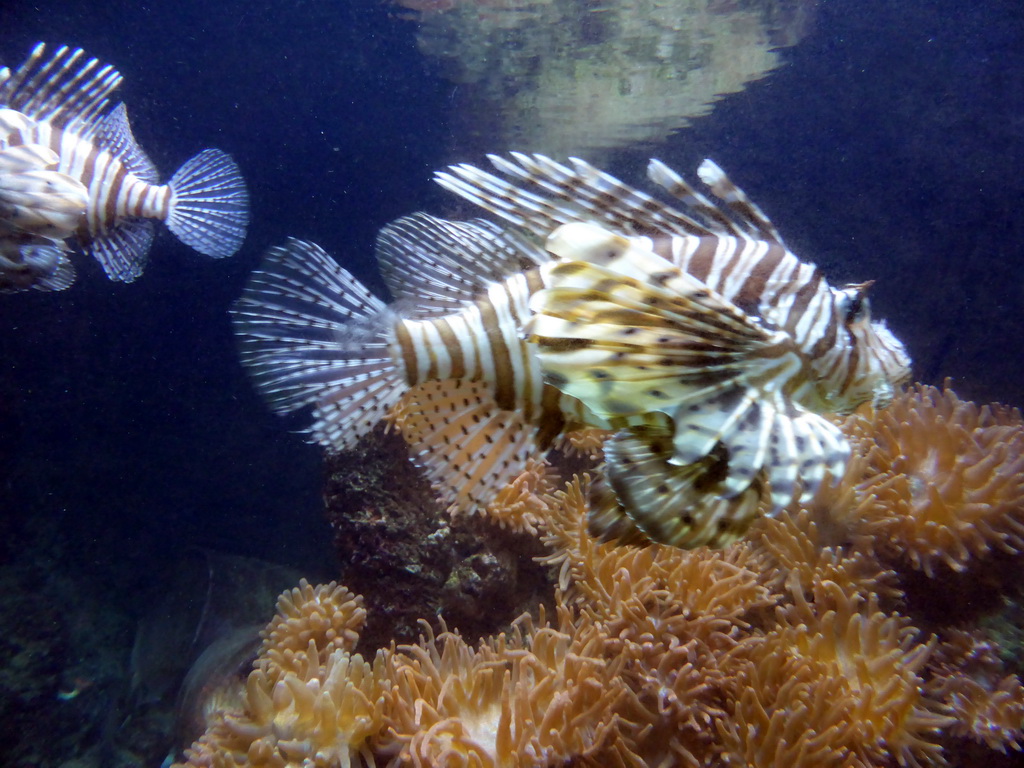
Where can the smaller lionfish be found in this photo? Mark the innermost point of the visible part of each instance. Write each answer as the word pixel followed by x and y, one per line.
pixel 708 348
pixel 61 103
pixel 39 208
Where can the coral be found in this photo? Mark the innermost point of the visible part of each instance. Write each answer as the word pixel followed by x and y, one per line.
pixel 520 505
pixel 863 668
pixel 803 646
pixel 945 478
pixel 541 696
pixel 330 616
pixel 987 703
pixel 308 699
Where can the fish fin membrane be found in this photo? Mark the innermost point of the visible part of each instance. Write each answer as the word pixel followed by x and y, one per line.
pixel 441 265
pixel 537 194
pixel 647 338
pixel 36 201
pixel 629 334
pixel 114 133
pixel 209 209
pixel 469 446
pixel 37 267
pixel 761 433
pixel 66 89
pixel 311 334
pixel 804 448
pixel 682 506
pixel 123 250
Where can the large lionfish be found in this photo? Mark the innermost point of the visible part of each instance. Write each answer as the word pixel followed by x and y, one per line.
pixel 708 348
pixel 62 103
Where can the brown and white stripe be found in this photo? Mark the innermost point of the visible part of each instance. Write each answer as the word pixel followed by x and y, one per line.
pixel 63 103
pixel 736 252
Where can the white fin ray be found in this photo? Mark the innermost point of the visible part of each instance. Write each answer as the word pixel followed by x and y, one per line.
pixel 114 133
pixel 540 195
pixel 469 447
pixel 537 194
pixel 209 208
pixel 60 89
pixel 747 213
pixel 311 334
pixel 34 267
pixel 714 219
pixel 123 250
pixel 440 265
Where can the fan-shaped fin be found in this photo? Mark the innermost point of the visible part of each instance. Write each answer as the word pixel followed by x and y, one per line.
pixel 469 446
pixel 65 89
pixel 311 334
pixel 439 265
pixel 678 505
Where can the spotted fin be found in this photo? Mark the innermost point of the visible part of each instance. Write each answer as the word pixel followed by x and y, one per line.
pixel 469 446
pixel 628 334
pixel 311 334
pixel 440 265
pixel 677 505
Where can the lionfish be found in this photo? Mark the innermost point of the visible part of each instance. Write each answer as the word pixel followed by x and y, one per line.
pixel 694 335
pixel 62 103
pixel 39 208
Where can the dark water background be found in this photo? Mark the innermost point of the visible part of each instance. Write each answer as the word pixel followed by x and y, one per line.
pixel 890 146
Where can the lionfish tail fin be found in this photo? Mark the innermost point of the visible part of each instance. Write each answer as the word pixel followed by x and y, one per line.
pixel 311 334
pixel 209 208
pixel 682 506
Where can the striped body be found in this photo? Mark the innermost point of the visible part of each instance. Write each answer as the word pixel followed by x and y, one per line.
pixel 707 347
pixel 114 191
pixel 484 343
pixel 62 102
pixel 768 281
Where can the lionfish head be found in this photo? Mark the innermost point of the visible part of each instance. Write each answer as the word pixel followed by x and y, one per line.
pixel 881 364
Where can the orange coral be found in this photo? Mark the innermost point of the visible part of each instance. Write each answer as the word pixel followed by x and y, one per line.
pixel 308 698
pixel 522 504
pixel 328 615
pixel 792 649
pixel 986 703
pixel 540 697
pixel 795 560
pixel 947 478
